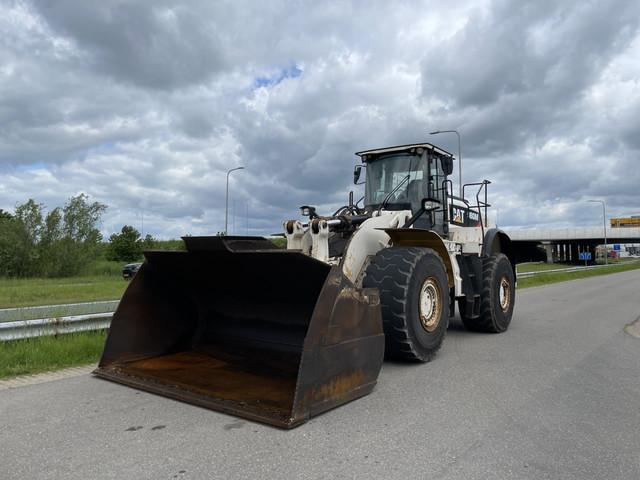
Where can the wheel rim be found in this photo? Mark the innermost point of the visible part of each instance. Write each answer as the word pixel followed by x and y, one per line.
pixel 505 294
pixel 430 304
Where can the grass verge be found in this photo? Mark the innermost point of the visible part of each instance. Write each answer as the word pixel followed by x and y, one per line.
pixel 539 267
pixel 43 354
pixel 26 292
pixel 547 278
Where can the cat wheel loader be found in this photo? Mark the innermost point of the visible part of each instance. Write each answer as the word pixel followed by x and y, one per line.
pixel 276 335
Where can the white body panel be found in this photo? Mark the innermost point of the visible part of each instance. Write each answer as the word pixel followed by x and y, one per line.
pixel 454 249
pixel 470 238
pixel 370 238
pixel 368 241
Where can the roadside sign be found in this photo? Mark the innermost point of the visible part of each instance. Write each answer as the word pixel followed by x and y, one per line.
pixel 585 256
pixel 616 247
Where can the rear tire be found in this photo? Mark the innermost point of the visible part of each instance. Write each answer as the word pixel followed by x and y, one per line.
pixel 496 299
pixel 414 296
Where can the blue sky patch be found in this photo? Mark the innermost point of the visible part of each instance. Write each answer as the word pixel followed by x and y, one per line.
pixel 32 166
pixel 293 71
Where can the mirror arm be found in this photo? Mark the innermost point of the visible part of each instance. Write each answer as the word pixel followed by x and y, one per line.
pixel 415 217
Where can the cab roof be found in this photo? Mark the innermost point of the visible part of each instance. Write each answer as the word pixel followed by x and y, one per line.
pixel 401 149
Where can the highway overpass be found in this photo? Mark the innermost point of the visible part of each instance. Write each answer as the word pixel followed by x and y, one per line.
pixel 565 244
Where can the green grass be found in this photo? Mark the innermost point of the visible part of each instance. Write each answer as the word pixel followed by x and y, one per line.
pixel 538 267
pixel 24 292
pixel 169 245
pixel 106 268
pixel 279 241
pixel 548 278
pixel 42 354
pixel 102 280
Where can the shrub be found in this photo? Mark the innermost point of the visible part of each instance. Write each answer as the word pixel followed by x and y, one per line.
pixel 127 245
pixel 61 243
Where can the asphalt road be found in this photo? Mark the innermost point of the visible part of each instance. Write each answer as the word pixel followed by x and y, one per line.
pixel 557 396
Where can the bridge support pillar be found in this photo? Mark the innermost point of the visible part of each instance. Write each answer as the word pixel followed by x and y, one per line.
pixel 548 248
pixel 575 256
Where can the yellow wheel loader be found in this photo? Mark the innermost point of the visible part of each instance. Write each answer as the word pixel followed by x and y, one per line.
pixel 277 335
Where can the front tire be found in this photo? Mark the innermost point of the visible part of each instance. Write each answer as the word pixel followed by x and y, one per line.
pixel 497 297
pixel 414 297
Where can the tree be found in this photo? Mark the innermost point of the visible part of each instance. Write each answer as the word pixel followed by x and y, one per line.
pixel 24 235
pixel 81 218
pixel 30 214
pixel 11 233
pixel 80 235
pixel 149 242
pixel 4 215
pixel 60 244
pixel 125 246
pixel 52 255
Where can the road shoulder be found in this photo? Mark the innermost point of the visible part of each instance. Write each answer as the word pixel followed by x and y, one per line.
pixel 26 380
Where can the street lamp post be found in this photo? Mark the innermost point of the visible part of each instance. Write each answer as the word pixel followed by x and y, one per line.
pixel 226 203
pixel 604 228
pixel 459 155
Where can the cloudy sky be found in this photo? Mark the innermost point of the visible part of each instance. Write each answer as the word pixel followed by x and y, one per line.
pixel 145 105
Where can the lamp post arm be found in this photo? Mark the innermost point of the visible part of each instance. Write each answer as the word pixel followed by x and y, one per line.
pixel 459 164
pixel 604 227
pixel 226 205
pixel 226 200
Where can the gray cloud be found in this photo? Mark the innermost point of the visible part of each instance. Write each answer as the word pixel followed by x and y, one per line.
pixel 145 106
pixel 519 75
pixel 157 45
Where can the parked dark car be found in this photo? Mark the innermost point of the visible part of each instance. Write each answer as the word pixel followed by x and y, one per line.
pixel 130 269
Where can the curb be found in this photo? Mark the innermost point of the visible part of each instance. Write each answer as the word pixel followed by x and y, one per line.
pixel 26 380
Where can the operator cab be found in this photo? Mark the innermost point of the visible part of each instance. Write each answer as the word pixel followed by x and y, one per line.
pixel 400 178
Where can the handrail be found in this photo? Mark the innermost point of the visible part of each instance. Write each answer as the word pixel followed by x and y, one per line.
pixel 480 204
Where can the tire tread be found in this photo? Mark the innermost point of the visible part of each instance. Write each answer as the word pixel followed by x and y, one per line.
pixel 390 271
pixel 486 321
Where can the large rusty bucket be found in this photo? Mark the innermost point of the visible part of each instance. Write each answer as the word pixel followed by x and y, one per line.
pixel 237 325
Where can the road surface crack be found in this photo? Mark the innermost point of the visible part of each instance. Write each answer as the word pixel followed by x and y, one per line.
pixel 633 328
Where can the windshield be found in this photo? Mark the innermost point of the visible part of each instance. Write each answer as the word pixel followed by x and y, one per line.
pixel 407 173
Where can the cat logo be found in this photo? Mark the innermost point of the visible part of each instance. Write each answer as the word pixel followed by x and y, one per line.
pixel 464 217
pixel 457 215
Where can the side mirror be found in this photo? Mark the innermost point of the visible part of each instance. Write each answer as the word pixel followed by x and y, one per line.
pixel 447 165
pixel 357 170
pixel 429 204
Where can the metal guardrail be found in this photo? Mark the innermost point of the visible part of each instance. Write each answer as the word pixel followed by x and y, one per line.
pixel 54 326
pixel 51 311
